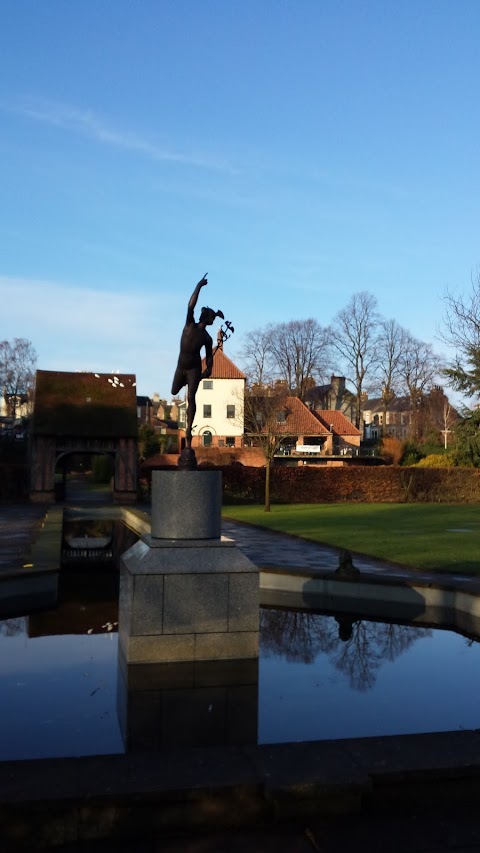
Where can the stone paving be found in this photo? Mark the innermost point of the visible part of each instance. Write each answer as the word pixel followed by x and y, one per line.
pixel 19 526
pixel 270 549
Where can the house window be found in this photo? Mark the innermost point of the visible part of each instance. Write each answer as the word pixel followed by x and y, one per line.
pixel 230 411
pixel 207 384
pixel 207 411
pixel 230 440
pixel 281 417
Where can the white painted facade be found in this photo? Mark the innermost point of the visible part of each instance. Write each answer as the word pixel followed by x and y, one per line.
pixel 219 417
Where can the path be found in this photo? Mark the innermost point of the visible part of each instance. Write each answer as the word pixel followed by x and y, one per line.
pixel 19 526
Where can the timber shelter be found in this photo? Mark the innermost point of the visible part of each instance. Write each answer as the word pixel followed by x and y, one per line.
pixel 85 413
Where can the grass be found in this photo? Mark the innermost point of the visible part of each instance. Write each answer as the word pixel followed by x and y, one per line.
pixel 436 537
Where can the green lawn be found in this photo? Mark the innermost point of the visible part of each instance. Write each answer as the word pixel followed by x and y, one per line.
pixel 440 537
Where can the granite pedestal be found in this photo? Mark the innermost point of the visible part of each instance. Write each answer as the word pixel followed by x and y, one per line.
pixel 186 593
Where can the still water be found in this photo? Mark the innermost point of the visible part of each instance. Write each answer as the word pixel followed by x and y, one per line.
pixel 320 677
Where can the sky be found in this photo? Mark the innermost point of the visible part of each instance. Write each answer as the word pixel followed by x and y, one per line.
pixel 299 151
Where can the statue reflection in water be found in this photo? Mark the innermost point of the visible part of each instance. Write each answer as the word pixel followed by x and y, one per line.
pixel 355 647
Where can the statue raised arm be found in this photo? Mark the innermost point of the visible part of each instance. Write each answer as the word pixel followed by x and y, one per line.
pixel 189 366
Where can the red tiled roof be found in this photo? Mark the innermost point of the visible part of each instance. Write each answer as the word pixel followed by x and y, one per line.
pixel 339 423
pixel 300 420
pixel 223 368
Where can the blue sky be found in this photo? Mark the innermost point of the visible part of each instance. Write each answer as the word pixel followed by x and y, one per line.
pixel 297 151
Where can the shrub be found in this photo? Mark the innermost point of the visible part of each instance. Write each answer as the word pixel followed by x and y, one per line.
pixel 411 454
pixel 391 450
pixel 467 440
pixel 436 460
pixel 148 441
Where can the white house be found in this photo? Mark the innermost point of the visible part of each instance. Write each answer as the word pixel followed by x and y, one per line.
pixel 219 418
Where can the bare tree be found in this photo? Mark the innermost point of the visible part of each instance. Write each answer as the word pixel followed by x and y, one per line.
pixel 17 370
pixel 359 653
pixel 418 368
pixel 256 357
pixel 355 337
pixel 265 417
pixel 461 330
pixel 391 346
pixel 300 351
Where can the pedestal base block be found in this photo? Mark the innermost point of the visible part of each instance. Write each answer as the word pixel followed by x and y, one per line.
pixel 186 600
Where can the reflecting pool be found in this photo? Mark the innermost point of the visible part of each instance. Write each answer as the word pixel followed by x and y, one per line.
pixel 324 677
pixel 320 676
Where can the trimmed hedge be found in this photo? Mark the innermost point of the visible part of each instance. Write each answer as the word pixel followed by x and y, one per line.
pixel 392 484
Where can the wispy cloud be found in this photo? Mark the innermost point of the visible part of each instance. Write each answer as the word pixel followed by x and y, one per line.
pixel 92 126
pixel 81 328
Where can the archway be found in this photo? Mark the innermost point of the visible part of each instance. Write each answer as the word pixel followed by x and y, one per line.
pixel 82 477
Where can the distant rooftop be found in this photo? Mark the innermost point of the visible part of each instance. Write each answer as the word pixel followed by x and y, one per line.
pixel 223 367
pixel 85 404
pixel 339 424
pixel 300 420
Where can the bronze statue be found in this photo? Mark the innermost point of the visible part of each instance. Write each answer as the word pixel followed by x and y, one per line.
pixel 189 367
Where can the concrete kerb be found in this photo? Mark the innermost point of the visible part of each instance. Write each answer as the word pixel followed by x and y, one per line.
pixel 46 802
pixel 49 802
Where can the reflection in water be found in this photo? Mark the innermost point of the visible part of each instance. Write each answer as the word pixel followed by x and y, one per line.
pixel 86 539
pixel 320 677
pixel 356 648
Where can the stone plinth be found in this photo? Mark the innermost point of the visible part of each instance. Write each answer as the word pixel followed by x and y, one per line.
pixel 189 600
pixel 186 504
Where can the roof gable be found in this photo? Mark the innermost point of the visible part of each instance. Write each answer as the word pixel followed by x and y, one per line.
pixel 336 422
pixel 300 420
pixel 294 419
pixel 223 367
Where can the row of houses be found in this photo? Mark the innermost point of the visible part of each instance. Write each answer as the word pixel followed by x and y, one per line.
pixel 225 418
pixel 323 425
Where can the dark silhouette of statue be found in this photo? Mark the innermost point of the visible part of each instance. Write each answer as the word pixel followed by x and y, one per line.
pixel 189 367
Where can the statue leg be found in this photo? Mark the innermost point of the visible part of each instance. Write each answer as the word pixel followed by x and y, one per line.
pixel 179 380
pixel 193 381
